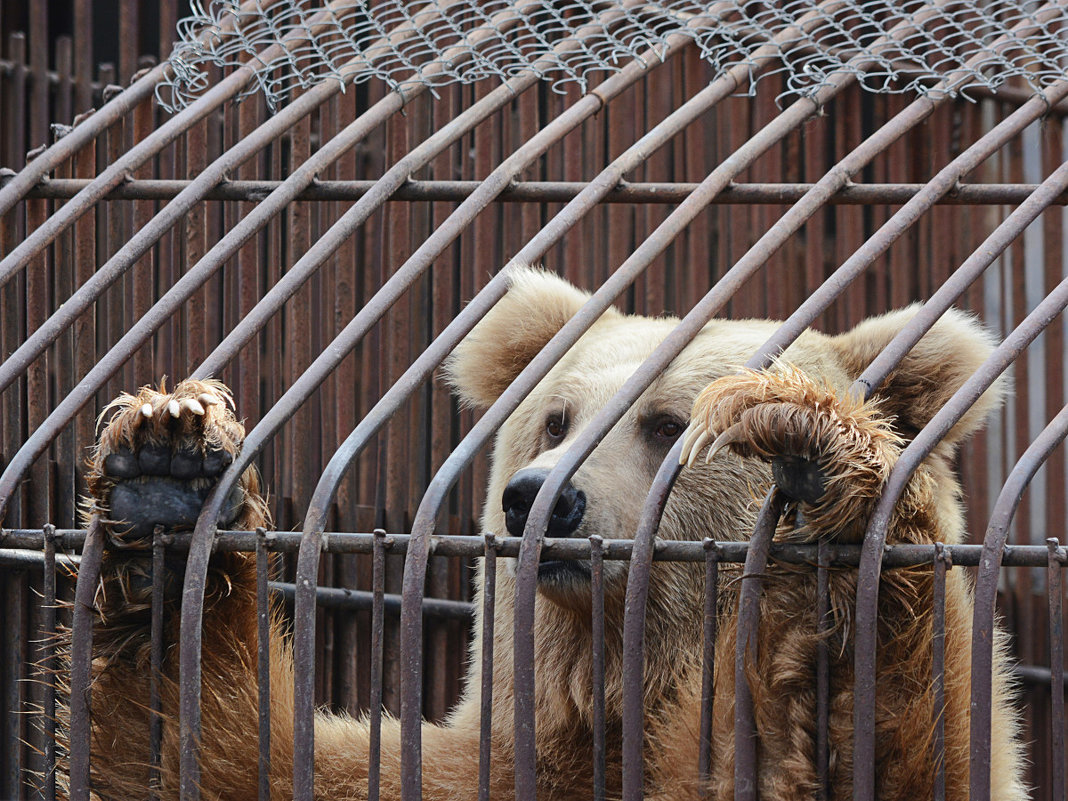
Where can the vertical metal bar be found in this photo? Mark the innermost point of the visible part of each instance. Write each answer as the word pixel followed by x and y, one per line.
pixel 46 666
pixel 943 560
pixel 485 742
pixel 378 588
pixel 708 667
pixel 263 663
pixel 823 672
pixel 160 540
pixel 597 590
pixel 1056 667
pixel 81 654
pixel 745 731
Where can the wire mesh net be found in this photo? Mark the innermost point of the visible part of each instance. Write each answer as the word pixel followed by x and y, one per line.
pixel 891 46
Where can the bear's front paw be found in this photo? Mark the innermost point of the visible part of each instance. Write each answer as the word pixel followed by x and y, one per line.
pixel 831 453
pixel 159 456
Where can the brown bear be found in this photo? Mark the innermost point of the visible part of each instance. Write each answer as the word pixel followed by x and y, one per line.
pixel 799 409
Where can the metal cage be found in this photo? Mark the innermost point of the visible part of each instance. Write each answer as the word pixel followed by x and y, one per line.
pixel 325 256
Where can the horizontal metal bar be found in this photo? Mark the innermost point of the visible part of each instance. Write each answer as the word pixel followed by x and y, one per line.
pixel 328 597
pixel 553 548
pixel 547 192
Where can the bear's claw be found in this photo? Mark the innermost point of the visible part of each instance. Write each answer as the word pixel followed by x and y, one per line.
pixel 832 453
pixel 160 455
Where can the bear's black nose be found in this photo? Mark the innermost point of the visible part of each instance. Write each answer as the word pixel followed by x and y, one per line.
pixel 520 493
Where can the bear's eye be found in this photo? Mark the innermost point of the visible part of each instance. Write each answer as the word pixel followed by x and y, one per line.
pixel 668 429
pixel 555 427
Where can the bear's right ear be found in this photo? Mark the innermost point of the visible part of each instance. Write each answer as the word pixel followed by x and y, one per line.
pixel 537 305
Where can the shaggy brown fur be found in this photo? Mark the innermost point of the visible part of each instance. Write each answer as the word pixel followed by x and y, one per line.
pixel 800 414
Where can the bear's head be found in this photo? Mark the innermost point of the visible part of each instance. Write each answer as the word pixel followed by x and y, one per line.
pixel 717 500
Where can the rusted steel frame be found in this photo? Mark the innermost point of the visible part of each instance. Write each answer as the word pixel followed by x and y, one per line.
pixel 27 179
pixel 195 191
pixel 986 588
pixel 756 562
pixel 549 192
pixel 485 710
pixel 637 597
pixel 378 584
pixel 1057 559
pixel 155 703
pixel 895 227
pixel 687 329
pixel 263 665
pixel 363 601
pixel 382 191
pixel 47 664
pixel 942 561
pixel 823 672
pixel 116 172
pixel 875 535
pixel 597 668
pixel 708 669
pixel 16 552
pixel 188 283
pixel 81 659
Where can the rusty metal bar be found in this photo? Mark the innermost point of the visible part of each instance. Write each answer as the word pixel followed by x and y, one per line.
pixel 597 671
pixel 47 664
pixel 1057 559
pixel 195 191
pixel 823 672
pixel 378 583
pixel 84 132
pixel 942 561
pixel 14 553
pixel 859 194
pixel 81 659
pixel 986 586
pixel 116 172
pixel 489 606
pixel 875 536
pixel 756 562
pixel 263 665
pixel 708 668
pixel 155 678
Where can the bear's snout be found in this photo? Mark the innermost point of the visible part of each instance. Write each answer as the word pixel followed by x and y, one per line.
pixel 519 496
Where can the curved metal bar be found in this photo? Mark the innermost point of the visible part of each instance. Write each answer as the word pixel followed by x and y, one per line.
pixel 116 172
pixel 81 657
pixel 196 190
pixel 316 373
pixel 638 574
pixel 875 536
pixel 986 590
pixel 165 307
pixel 588 440
pixel 328 483
pixel 82 134
pixel 87 130
pixel 384 188
pixel 756 562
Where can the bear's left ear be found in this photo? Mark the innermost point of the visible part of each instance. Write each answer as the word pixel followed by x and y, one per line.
pixel 537 305
pixel 931 372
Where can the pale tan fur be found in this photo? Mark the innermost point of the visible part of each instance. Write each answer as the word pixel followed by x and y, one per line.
pixel 799 408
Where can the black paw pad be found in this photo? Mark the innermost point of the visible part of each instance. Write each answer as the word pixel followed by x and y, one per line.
pixel 185 464
pixel 123 463
pixel 155 460
pixel 799 478
pixel 140 506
